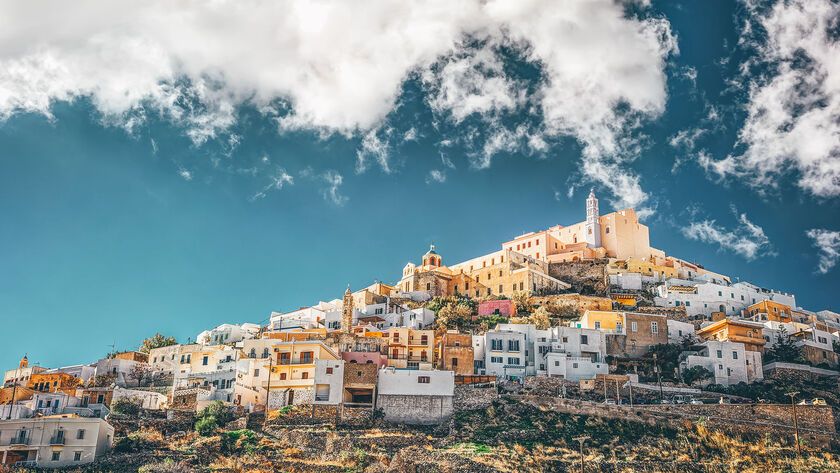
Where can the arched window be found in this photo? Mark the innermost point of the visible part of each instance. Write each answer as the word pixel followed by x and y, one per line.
pixel 253 353
pixel 265 352
pixel 722 308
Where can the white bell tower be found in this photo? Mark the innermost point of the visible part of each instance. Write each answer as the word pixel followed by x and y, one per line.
pixel 593 221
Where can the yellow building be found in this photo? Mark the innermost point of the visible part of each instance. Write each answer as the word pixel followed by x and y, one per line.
pixel 410 348
pixel 607 320
pixel 292 375
pixel 614 235
pixel 503 272
pixel 768 310
pixel 736 330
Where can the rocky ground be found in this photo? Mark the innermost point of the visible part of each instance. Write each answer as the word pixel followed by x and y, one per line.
pixel 507 436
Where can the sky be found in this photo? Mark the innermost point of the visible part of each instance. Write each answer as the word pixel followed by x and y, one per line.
pixel 170 166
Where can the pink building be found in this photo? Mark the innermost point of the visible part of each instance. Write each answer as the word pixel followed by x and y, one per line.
pixel 363 357
pixel 502 307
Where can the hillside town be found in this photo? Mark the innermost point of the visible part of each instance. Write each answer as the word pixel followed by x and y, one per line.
pixel 585 316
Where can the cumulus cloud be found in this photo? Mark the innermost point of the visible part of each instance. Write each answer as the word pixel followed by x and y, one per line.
pixel 793 113
pixel 308 67
pixel 747 239
pixel 827 243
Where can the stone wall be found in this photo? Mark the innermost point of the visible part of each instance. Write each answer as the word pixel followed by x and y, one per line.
pixel 586 277
pixel 416 409
pixel 472 397
pixel 674 313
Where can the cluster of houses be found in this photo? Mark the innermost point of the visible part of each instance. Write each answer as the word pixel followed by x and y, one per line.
pixel 380 348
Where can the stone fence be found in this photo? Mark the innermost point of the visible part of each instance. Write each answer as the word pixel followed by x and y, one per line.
pixel 817 424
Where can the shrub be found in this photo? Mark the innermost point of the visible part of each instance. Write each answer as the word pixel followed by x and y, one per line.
pixel 206 425
pixel 126 406
pixel 237 441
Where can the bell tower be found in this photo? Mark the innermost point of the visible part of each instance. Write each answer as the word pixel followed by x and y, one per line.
pixel 593 221
pixel 432 258
pixel 347 311
pixel 24 362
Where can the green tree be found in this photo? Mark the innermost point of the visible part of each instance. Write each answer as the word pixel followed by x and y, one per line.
pixel 212 417
pixel 156 341
pixel 523 302
pixel 695 374
pixel 667 358
pixel 785 349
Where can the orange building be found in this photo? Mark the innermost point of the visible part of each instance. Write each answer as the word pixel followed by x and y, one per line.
pixel 456 353
pixel 54 382
pixel 769 311
pixel 133 356
pixel 736 330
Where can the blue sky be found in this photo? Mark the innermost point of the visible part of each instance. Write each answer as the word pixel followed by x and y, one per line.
pixel 173 175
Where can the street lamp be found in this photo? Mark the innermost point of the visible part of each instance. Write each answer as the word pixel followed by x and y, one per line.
pixel 792 395
pixel 580 440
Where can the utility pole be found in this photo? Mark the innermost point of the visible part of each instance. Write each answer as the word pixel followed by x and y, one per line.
pixel 658 377
pixel 617 394
pixel 268 388
pixel 14 393
pixel 580 440
pixel 630 383
pixel 605 388
pixel 792 395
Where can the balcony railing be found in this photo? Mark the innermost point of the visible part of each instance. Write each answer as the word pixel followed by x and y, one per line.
pixel 425 359
pixel 57 440
pixel 295 361
pixel 18 440
pixel 322 397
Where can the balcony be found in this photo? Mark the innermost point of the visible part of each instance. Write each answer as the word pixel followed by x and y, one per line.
pixel 422 359
pixel 19 440
pixel 418 342
pixel 295 361
pixel 57 440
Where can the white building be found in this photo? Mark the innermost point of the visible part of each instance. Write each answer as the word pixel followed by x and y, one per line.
pixel 123 370
pixel 479 354
pixel 701 298
pixel 227 334
pixel 54 441
pixel 329 381
pixel 211 366
pixel 505 354
pixel 728 362
pixel 145 399
pixel 82 372
pixel 570 353
pixel 677 331
pixel 415 397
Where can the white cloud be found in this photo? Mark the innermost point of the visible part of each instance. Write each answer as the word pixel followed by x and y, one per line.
pixel 747 239
pixel 375 147
pixel 827 243
pixel 332 192
pixel 279 180
pixel 793 113
pixel 185 174
pixel 472 81
pixel 309 67
pixel 436 175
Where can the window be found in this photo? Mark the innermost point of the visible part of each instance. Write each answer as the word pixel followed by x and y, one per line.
pixel 454 362
pixel 77 456
pixel 305 375
pixel 56 456
pixel 720 354
pixel 329 371
pixel 565 339
pixel 734 355
pixel 513 345
pixel 597 325
pixel 496 345
pixel 584 339
pixel 80 434
pixel 728 371
pixel 556 363
pixel 720 367
pixel 428 286
pixel 608 230
pixel 423 379
pixel 204 361
pixel 634 327
pixel 282 376
pixel 500 289
pixel 720 293
pixel 256 372
pixel 495 359
pixel 654 327
pixel 688 303
pixel 513 361
pixel 574 365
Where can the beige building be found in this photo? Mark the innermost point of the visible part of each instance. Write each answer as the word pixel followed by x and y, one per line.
pixel 411 349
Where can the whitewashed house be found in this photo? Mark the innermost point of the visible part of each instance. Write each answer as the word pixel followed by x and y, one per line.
pixel 728 362
pixel 54 441
pixel 228 334
pixel 570 353
pixel 414 396
pixel 701 298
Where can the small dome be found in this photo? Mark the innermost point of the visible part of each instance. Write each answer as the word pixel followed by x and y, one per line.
pixel 431 250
